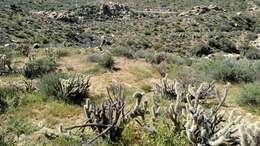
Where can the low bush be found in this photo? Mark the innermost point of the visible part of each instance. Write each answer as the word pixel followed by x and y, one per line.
pixel 147 88
pixel 70 88
pixel 50 84
pixel 227 69
pixel 125 52
pixel 256 67
pixel 39 67
pixel 201 49
pixel 24 49
pixel 249 95
pixel 106 61
pixel 228 46
pixel 62 53
pixel 214 43
pixel 8 98
pixel 159 57
pixel 179 60
pixel 13 128
pixel 252 53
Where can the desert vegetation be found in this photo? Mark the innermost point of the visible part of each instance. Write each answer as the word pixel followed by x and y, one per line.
pixel 159 73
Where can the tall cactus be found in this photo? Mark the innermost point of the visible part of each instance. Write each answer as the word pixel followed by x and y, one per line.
pixel 249 134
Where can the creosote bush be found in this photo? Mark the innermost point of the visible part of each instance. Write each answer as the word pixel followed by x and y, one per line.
pixel 62 52
pixel 8 98
pixel 226 69
pixel 249 95
pixel 252 53
pixel 201 49
pixel 125 52
pixel 106 61
pixel 13 126
pixel 50 84
pixel 38 67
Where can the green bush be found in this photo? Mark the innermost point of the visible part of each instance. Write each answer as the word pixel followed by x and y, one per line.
pixel 148 55
pixel 106 61
pixel 159 57
pixel 249 95
pixel 147 88
pixel 70 88
pixel 39 67
pixel 201 49
pixel 14 127
pixel 8 98
pixel 50 84
pixel 125 52
pixel 62 53
pixel 252 53
pixel 179 60
pixel 228 46
pixel 24 50
pixel 227 69
pixel 256 67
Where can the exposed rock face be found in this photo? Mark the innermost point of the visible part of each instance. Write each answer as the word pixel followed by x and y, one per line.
pixel 105 10
pixel 114 9
pixel 65 16
pixel 198 10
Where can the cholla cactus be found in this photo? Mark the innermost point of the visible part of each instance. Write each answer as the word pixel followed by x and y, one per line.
pixel 249 134
pixel 166 88
pixel 139 110
pixel 202 91
pixel 109 119
pixel 5 61
pixel 203 127
pixel 175 113
pixel 75 88
pixel 155 109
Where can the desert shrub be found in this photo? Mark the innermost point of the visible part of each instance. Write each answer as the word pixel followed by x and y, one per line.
pixel 24 49
pixel 140 53
pixel 125 52
pixel 163 137
pixel 249 95
pixel 62 53
pixel 106 61
pixel 179 60
pixel 214 43
pixel 227 69
pixel 8 98
pixel 3 104
pixel 256 67
pixel 15 127
pixel 130 42
pixel 147 88
pixel 147 33
pixel 147 54
pixel 39 67
pixel 201 49
pixel 50 84
pixel 228 46
pixel 159 57
pixel 70 88
pixel 252 53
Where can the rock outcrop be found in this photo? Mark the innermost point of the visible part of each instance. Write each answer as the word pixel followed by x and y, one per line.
pixel 198 10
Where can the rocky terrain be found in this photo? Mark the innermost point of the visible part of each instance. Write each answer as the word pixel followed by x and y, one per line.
pixel 131 72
